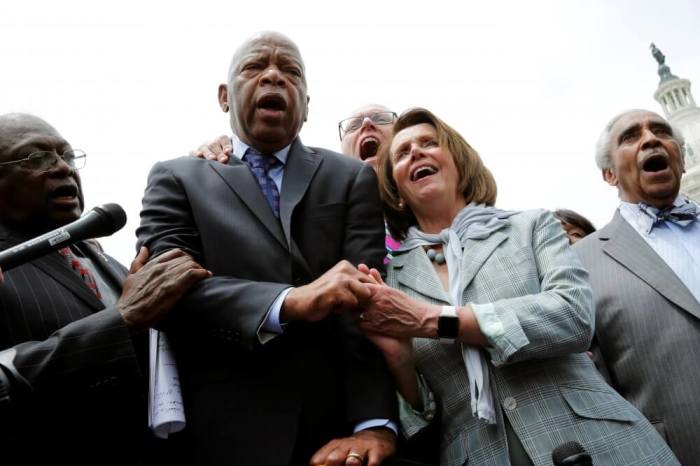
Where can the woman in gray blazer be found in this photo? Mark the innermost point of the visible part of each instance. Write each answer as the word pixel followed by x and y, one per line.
pixel 487 316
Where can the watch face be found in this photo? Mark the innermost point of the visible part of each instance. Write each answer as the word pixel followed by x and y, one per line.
pixel 448 327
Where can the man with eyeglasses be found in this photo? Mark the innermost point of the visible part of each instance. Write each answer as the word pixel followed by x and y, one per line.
pixel 364 131
pixel 72 323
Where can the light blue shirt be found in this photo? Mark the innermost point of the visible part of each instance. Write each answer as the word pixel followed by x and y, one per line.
pixel 271 326
pixel 678 246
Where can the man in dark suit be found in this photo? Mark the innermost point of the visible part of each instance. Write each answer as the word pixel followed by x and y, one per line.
pixel 645 273
pixel 70 342
pixel 273 370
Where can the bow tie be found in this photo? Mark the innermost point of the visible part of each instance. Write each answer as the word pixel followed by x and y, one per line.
pixel 682 215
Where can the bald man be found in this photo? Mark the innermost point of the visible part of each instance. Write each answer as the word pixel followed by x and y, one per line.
pixel 72 332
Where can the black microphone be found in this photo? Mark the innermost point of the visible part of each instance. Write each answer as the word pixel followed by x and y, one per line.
pixel 571 454
pixel 100 221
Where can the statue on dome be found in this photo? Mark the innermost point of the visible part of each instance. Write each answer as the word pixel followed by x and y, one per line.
pixel 660 57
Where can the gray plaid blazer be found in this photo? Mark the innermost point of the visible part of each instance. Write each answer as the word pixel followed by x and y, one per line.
pixel 550 391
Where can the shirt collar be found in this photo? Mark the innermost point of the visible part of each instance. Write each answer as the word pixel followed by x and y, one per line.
pixel 240 148
pixel 636 217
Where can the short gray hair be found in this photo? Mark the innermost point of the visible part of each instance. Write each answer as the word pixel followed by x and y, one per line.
pixel 602 147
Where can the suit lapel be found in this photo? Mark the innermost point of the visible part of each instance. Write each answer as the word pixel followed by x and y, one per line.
pixel 110 270
pixel 625 246
pixel 242 182
pixel 475 254
pixel 418 274
pixel 55 266
pixel 301 166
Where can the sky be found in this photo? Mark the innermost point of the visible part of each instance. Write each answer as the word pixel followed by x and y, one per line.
pixel 529 85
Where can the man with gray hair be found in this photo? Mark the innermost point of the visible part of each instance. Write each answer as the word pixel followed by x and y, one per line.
pixel 645 273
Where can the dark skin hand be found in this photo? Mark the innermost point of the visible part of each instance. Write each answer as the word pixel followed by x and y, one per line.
pixel 374 445
pixel 341 288
pixel 152 288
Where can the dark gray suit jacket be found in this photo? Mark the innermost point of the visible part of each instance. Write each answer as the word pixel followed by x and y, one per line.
pixel 253 404
pixel 647 331
pixel 88 401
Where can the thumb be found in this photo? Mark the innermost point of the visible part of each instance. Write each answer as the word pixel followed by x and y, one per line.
pixel 140 260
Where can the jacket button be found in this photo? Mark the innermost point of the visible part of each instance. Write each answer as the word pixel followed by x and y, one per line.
pixel 509 403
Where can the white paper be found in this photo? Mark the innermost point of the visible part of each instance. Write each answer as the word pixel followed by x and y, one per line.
pixel 166 412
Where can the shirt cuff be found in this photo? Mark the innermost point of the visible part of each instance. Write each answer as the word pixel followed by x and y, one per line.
pixel 376 423
pixel 271 326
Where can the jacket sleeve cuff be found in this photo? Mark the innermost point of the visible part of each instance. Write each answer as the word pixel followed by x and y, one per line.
pixel 413 421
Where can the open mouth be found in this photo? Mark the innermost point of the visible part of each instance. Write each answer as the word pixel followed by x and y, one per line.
pixel 423 171
pixel 68 191
pixel 273 102
pixel 655 163
pixel 369 147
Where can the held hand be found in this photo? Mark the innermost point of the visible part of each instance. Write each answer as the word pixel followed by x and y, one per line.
pixel 392 313
pixel 219 149
pixel 153 289
pixel 368 447
pixel 372 273
pixel 341 288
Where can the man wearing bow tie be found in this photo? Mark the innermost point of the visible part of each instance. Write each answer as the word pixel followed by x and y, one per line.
pixel 645 272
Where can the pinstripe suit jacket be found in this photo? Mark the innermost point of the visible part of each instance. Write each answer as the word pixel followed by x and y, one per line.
pixel 647 332
pixel 526 278
pixel 80 360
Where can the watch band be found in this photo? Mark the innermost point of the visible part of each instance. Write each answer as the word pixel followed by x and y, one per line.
pixel 448 324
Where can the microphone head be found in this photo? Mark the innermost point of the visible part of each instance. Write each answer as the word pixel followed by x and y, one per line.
pixel 112 219
pixel 570 453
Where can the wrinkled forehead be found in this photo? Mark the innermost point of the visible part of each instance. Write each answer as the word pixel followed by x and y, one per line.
pixel 267 45
pixel 636 118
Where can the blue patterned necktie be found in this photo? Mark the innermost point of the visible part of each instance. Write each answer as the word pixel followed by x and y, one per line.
pixel 261 165
pixel 682 215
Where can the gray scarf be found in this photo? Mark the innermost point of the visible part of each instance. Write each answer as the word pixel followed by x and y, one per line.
pixel 475 221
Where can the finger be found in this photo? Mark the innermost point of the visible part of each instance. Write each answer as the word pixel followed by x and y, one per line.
pixel 367 279
pixel 320 456
pixel 194 275
pixel 197 153
pixel 375 457
pixel 374 273
pixel 337 456
pixel 362 291
pixel 363 268
pixel 170 255
pixel 140 260
pixel 223 158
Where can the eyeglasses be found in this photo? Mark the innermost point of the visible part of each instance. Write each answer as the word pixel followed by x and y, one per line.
pixel 351 124
pixel 44 160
